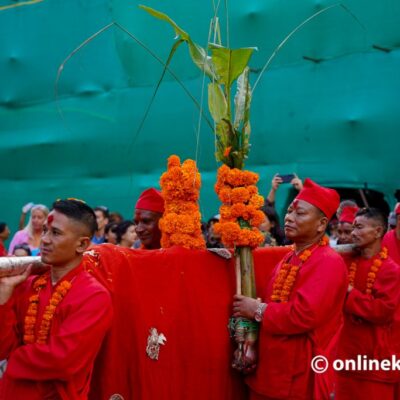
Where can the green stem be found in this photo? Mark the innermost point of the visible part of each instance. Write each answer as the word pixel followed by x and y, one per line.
pixel 247 272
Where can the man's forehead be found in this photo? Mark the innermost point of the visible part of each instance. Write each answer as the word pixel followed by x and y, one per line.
pixel 140 213
pixel 301 204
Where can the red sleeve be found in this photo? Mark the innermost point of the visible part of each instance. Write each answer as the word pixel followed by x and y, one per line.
pixel 71 349
pixel 380 306
pixel 316 298
pixel 9 336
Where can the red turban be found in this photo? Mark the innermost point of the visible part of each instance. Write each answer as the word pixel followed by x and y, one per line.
pixel 151 200
pixel 348 214
pixel 397 209
pixel 327 200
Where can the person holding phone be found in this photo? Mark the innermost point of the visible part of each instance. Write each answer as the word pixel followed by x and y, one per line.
pixel 279 179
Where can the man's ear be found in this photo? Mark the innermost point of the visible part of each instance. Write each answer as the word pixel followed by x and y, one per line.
pixel 380 231
pixel 83 243
pixel 323 225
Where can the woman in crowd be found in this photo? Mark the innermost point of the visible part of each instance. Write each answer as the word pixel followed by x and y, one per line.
pixel 32 233
pixel 126 234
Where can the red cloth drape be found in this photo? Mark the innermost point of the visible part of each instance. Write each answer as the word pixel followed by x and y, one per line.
pixel 187 296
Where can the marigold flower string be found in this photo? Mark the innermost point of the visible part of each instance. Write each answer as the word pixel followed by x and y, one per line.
pixel 240 211
pixel 287 274
pixel 373 271
pixel 31 315
pixel 181 222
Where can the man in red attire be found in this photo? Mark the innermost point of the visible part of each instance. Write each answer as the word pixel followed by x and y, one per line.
pixel 371 312
pixel 392 238
pixel 53 324
pixel 302 307
pixel 148 211
pixel 345 225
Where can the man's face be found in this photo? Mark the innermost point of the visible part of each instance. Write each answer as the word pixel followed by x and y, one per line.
pixel 304 222
pixel 366 232
pixel 344 233
pixel 63 240
pixel 147 228
pixel 101 220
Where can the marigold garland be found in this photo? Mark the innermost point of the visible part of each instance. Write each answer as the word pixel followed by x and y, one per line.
pixel 181 222
pixel 287 274
pixel 240 214
pixel 373 271
pixel 31 315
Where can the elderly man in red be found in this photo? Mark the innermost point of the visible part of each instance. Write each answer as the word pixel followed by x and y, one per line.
pixel 148 211
pixel 52 325
pixel 392 238
pixel 371 318
pixel 302 307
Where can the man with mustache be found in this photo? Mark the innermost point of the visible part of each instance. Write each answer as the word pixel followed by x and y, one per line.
pixel 302 307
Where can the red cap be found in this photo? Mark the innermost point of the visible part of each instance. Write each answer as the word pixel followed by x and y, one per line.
pixel 327 200
pixel 397 209
pixel 348 214
pixel 151 200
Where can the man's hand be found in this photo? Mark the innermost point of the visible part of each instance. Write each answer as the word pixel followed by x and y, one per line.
pixel 9 283
pixel 276 181
pixel 297 183
pixel 26 208
pixel 244 306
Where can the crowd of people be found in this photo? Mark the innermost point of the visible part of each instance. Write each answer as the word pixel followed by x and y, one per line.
pixel 317 302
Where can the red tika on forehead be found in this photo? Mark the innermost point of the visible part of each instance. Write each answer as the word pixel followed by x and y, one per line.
pixel 50 219
pixel 295 203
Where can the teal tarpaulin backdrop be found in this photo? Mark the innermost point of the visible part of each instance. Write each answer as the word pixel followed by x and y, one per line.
pixel 327 108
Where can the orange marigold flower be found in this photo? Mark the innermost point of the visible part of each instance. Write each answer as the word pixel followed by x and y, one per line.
pixel 240 195
pixel 227 151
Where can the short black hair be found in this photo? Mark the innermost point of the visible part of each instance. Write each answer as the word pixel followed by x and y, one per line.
pixel 373 213
pixel 3 226
pixel 79 211
pixel 23 246
pixel 122 228
pixel 104 210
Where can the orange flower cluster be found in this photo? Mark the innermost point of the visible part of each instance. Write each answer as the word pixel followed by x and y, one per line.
pixel 181 222
pixel 375 266
pixel 286 277
pixel 240 214
pixel 31 314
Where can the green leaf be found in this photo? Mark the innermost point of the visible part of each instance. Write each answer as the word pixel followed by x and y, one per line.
pixel 198 54
pixel 242 99
pixel 229 64
pixel 217 102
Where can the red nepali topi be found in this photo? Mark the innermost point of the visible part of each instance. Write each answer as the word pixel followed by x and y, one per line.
pixel 151 200
pixel 348 214
pixel 327 200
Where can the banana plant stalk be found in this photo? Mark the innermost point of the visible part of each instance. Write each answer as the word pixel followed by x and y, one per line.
pixel 224 66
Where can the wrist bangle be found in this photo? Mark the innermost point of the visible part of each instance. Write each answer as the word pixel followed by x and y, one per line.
pixel 259 314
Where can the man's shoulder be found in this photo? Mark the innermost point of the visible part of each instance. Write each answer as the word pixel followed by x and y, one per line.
pixel 87 286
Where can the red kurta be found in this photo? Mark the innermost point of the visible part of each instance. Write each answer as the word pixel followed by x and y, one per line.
pixel 371 325
pixel 60 369
pixel 3 251
pixel 293 333
pixel 393 245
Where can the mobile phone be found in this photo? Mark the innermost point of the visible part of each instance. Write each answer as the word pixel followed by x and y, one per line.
pixel 286 178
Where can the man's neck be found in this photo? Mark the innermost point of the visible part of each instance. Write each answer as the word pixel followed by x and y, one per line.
pixel 301 245
pixel 58 272
pixel 372 250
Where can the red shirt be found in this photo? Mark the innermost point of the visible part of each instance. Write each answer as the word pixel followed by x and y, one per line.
pixel 3 251
pixel 61 368
pixel 292 333
pixel 393 245
pixel 371 321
